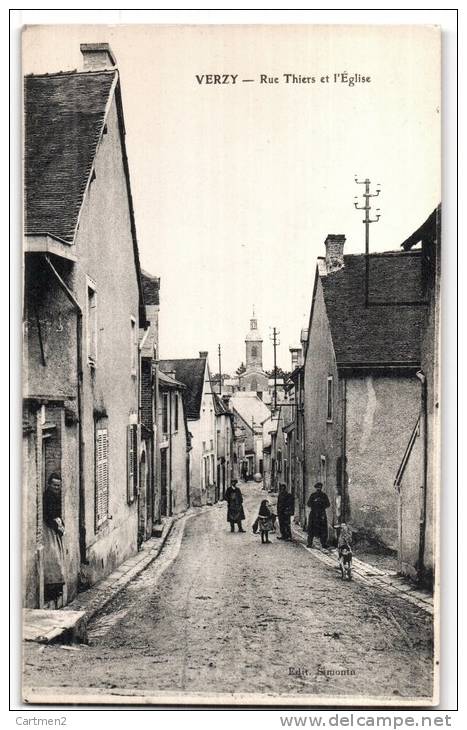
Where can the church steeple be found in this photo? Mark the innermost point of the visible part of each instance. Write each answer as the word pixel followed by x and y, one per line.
pixel 254 346
pixel 253 321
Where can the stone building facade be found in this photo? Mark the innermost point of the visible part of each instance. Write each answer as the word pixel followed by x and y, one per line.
pixel 250 413
pixel 194 374
pixel 174 445
pixel 83 309
pixel 362 394
pixel 148 490
pixel 418 477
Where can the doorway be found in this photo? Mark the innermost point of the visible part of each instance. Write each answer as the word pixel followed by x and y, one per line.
pixel 163 482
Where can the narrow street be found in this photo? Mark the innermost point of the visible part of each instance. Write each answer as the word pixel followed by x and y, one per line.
pixel 218 613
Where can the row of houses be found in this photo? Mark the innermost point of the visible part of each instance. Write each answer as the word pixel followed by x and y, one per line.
pixel 365 414
pixel 131 437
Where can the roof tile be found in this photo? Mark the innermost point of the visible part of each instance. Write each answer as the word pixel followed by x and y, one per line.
pixel 376 334
pixel 191 374
pixel 64 116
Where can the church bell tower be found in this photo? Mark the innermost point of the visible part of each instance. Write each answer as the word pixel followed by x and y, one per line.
pixel 254 346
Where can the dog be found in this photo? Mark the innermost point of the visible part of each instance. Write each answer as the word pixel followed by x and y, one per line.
pixel 344 549
pixel 345 561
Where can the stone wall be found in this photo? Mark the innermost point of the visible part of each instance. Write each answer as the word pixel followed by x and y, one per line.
pixel 323 436
pixel 106 257
pixel 381 412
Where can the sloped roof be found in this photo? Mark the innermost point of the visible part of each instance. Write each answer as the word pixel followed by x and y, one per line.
pixel 388 331
pixel 220 408
pixel 168 381
pixel 250 408
pixel 427 231
pixel 64 117
pixel 191 373
pixel 254 336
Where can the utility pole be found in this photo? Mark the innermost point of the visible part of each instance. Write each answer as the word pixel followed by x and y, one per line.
pixel 275 342
pixel 220 369
pixel 366 222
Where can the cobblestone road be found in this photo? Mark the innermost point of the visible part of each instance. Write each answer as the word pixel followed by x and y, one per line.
pixel 218 613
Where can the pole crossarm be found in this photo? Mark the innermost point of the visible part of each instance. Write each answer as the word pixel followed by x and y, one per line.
pixel 366 222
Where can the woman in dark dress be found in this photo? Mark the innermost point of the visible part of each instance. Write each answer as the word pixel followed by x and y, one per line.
pixel 317 519
pixel 54 557
pixel 235 513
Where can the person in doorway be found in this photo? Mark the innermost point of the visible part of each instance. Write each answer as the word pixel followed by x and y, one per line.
pixel 285 510
pixel 265 521
pixel 54 556
pixel 235 513
pixel 244 471
pixel 317 519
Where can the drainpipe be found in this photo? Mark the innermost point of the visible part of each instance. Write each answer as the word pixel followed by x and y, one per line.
pixel 150 450
pixel 140 368
pixel 423 419
pixel 303 437
pixel 79 387
pixel 170 452
pixel 344 450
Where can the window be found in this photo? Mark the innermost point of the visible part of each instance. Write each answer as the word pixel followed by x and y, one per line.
pixel 279 461
pixel 176 412
pixel 132 462
pixel 91 322
pixel 133 345
pixel 101 476
pixel 213 469
pixel 165 413
pixel 329 398
pixel 254 351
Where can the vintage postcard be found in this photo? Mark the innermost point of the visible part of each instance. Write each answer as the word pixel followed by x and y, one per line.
pixel 231 414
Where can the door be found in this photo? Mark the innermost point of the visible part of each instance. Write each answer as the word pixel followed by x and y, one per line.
pixel 163 482
pixel 149 497
pixel 142 499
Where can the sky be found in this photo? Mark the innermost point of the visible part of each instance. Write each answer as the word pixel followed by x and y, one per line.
pixel 236 186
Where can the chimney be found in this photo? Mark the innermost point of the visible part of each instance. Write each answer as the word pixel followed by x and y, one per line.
pixel 203 354
pixel 295 354
pixel 303 340
pixel 97 56
pixel 334 252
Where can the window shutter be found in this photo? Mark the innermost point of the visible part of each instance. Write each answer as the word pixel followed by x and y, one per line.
pixel 102 476
pixel 132 462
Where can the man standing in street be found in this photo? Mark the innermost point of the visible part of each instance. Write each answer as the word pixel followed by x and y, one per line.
pixel 285 510
pixel 235 513
pixel 317 519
